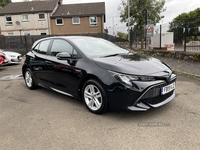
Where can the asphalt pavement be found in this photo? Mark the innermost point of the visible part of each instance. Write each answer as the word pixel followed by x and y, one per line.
pixel 187 68
pixel 44 120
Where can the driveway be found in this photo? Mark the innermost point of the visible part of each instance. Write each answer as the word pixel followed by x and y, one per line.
pixel 44 120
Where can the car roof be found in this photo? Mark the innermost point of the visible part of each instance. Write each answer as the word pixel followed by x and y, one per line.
pixel 64 37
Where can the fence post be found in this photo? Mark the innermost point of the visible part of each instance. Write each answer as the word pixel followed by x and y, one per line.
pixel 25 39
pixel 131 38
pixel 160 36
pixel 185 36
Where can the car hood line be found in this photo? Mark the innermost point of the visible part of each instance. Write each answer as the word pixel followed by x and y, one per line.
pixel 130 66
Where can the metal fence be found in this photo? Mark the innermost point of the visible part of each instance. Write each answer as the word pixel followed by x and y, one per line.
pixel 183 43
pixel 22 44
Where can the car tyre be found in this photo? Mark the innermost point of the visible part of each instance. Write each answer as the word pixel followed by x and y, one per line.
pixel 29 79
pixel 94 97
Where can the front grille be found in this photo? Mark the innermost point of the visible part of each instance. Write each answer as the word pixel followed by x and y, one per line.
pixel 153 96
pixel 158 99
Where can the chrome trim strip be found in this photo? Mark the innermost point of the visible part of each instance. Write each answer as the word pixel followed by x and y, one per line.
pixel 61 92
pixel 141 107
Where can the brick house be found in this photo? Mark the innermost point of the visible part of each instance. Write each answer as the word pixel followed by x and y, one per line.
pixel 51 17
pixel 79 18
pixel 27 18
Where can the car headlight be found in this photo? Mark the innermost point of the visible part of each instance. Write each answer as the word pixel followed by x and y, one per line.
pixel 128 79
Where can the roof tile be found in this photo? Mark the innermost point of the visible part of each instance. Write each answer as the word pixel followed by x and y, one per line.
pixel 83 9
pixel 29 7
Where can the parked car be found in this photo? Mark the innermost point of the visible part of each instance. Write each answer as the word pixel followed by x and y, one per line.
pixel 12 57
pixel 3 59
pixel 102 74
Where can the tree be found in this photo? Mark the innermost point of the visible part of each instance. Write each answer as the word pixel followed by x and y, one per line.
pixel 140 11
pixel 122 35
pixel 186 24
pixel 4 3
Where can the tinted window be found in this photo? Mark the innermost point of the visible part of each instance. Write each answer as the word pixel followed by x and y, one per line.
pixel 61 46
pixel 42 47
pixel 97 47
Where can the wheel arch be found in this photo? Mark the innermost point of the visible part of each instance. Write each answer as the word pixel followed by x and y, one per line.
pixel 24 67
pixel 89 77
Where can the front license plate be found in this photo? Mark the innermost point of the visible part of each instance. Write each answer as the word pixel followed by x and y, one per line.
pixel 167 88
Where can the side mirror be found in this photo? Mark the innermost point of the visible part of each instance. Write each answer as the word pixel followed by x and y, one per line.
pixel 63 56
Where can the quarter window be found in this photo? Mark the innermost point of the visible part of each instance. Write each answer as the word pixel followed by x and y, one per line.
pixel 41 16
pixel 8 20
pixel 59 21
pixel 24 17
pixel 76 20
pixel 42 47
pixel 93 21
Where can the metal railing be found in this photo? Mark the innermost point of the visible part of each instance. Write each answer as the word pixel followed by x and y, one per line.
pixel 22 44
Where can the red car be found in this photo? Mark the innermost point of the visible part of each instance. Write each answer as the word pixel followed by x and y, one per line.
pixel 2 58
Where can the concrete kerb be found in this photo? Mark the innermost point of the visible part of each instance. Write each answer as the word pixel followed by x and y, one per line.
pixel 189 75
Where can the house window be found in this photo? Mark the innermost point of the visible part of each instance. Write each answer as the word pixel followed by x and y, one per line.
pixel 24 17
pixel 8 20
pixel 59 21
pixel 43 32
pixel 10 33
pixel 26 33
pixel 41 16
pixel 76 20
pixel 93 21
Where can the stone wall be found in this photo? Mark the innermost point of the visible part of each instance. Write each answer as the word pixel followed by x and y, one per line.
pixel 187 56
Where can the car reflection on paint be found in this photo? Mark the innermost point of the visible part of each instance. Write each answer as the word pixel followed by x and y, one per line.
pixel 103 75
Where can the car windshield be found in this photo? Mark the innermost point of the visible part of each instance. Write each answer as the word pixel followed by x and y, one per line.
pixel 98 47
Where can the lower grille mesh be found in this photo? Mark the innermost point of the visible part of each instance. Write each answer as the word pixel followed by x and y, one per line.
pixel 158 99
pixel 153 96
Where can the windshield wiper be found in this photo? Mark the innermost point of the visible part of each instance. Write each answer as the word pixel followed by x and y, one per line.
pixel 111 55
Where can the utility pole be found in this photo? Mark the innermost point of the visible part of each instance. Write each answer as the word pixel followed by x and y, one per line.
pixel 185 36
pixel 128 3
pixel 146 11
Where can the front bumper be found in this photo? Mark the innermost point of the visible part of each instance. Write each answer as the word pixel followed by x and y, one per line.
pixel 152 97
pixel 121 97
pixel 142 106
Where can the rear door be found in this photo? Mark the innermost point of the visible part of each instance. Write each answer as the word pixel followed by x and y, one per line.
pixel 38 61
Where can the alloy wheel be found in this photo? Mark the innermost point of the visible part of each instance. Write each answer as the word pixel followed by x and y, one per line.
pixel 93 97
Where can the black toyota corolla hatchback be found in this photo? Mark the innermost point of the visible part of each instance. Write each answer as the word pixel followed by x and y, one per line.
pixel 100 73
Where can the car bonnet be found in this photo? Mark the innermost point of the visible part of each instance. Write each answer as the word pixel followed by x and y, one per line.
pixel 131 64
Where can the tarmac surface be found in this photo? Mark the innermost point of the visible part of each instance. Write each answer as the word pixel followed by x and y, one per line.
pixel 44 120
pixel 187 68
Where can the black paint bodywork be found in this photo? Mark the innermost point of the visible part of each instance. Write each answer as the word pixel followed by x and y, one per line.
pixel 68 76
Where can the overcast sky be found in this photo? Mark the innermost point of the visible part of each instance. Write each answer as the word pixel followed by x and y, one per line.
pixel 174 8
